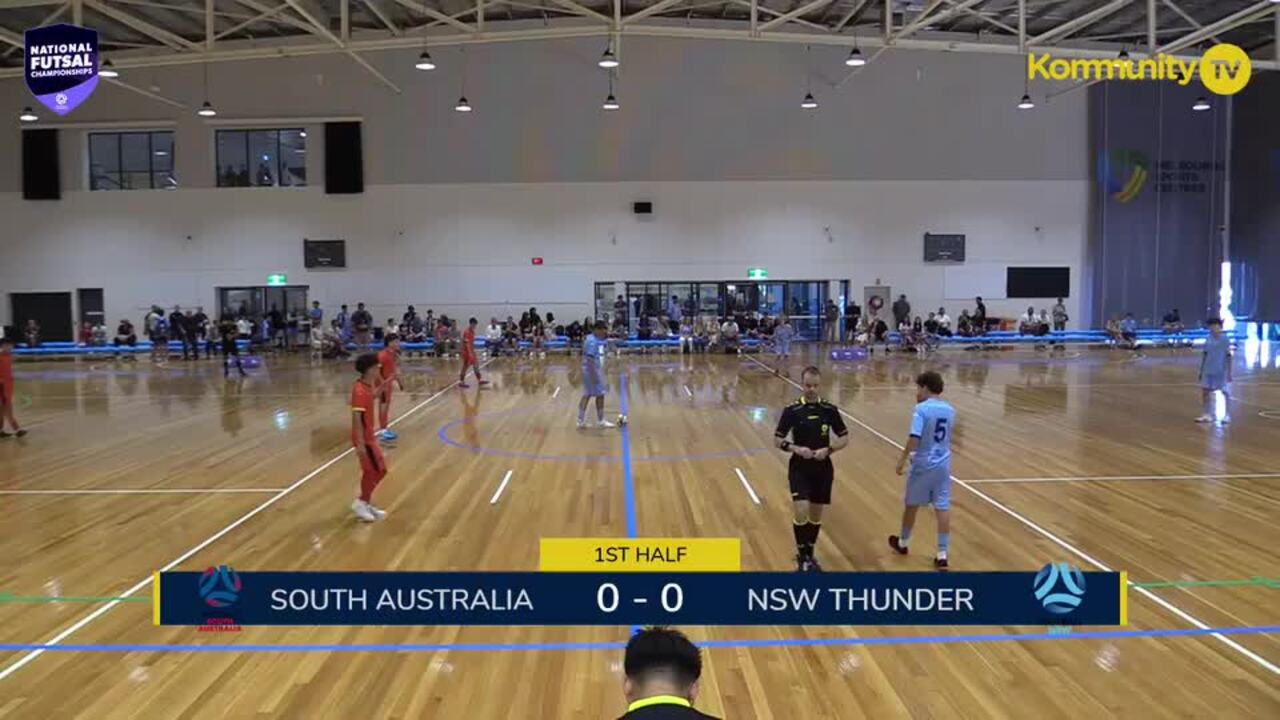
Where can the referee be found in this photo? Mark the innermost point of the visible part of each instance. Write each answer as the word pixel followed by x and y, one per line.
pixel 810 421
pixel 662 669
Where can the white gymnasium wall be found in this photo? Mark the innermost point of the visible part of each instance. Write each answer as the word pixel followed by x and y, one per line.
pixel 455 206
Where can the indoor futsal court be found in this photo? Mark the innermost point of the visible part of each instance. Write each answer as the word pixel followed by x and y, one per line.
pixel 639 359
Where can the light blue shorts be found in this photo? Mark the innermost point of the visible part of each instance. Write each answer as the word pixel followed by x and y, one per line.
pixel 782 347
pixel 593 384
pixel 929 487
pixel 1214 381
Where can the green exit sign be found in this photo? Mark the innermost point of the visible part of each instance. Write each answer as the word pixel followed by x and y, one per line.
pixel 757 274
pixel 277 280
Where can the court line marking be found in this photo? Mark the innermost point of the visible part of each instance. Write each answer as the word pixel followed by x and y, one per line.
pixel 1109 478
pixel 747 485
pixel 35 653
pixel 141 491
pixel 506 479
pixel 628 483
pixel 555 394
pixel 704 644
pixel 1263 662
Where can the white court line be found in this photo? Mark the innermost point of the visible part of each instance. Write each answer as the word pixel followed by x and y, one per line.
pixel 494 500
pixel 747 485
pixel 142 491
pixel 556 393
pixel 104 609
pixel 1266 664
pixel 1107 478
pixel 688 391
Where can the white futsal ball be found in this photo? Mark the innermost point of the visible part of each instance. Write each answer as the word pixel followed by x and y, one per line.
pixel 622 420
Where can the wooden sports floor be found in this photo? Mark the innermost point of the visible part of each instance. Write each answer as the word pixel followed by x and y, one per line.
pixel 1089 457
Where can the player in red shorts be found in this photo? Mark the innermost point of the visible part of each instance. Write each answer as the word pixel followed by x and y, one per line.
pixel 6 389
pixel 387 359
pixel 373 467
pixel 469 359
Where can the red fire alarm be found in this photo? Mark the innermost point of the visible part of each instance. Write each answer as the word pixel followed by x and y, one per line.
pixel 537 261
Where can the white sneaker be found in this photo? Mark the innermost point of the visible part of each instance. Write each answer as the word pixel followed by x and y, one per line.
pixel 378 513
pixel 1204 419
pixel 581 423
pixel 362 511
pixel 607 424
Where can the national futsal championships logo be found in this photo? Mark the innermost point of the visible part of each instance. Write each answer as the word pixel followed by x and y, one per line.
pixel 1059 587
pixel 220 586
pixel 1123 173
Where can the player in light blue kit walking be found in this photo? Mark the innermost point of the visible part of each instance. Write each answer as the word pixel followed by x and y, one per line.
pixel 929 449
pixel 1215 369
pixel 782 336
pixel 593 384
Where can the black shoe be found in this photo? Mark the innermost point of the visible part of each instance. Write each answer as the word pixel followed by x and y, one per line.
pixel 4 434
pixel 897 546
pixel 20 433
pixel 814 567
pixel 940 563
pixel 802 563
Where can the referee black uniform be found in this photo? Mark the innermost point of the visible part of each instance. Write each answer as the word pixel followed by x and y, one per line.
pixel 810 424
pixel 664 707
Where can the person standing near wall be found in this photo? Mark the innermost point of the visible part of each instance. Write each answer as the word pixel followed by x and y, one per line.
pixel 362 323
pixel 196 330
pixel 1059 316
pixel 901 311
pixel 832 322
pixel 852 314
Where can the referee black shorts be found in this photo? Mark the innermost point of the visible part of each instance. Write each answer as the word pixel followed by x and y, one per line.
pixel 811 480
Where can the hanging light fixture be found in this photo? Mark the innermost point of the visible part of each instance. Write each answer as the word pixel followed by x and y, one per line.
pixel 855 58
pixel 808 103
pixel 108 70
pixel 1124 54
pixel 611 102
pixel 608 60
pixel 425 62
pixel 28 115
pixel 1025 103
pixel 1201 105
pixel 463 106
pixel 206 110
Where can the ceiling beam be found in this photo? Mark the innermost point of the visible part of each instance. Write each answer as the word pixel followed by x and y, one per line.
pixel 924 19
pixel 984 17
pixel 1233 20
pixel 1186 16
pixel 210 25
pixel 582 10
pixel 653 9
pixel 792 15
pixel 765 10
pixel 318 18
pixel 264 15
pixel 11 37
pixel 851 14
pixel 437 15
pixel 381 9
pixel 1060 31
pixel 165 37
pixel 57 12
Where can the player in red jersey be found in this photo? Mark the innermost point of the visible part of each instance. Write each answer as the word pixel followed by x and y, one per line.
pixel 373 467
pixel 6 389
pixel 387 359
pixel 469 359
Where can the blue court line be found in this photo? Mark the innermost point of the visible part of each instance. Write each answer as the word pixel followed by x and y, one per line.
pixel 706 644
pixel 628 486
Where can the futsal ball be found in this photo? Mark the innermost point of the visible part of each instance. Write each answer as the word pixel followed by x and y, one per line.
pixel 622 420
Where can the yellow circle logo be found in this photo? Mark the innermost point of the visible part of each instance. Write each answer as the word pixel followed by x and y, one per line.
pixel 1225 69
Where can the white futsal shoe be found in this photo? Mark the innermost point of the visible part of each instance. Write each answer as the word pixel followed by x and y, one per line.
pixel 607 424
pixel 363 511
pixel 1205 419
pixel 378 513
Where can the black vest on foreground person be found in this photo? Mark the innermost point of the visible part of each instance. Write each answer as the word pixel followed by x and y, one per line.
pixel 664 707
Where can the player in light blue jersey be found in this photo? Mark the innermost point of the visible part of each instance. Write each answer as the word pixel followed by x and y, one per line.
pixel 929 449
pixel 1215 370
pixel 593 384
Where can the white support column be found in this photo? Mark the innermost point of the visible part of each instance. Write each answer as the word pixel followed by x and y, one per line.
pixel 344 22
pixel 888 20
pixel 210 28
pixel 755 17
pixel 1022 25
pixel 1151 27
pixel 480 15
pixel 1275 37
pixel 77 12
